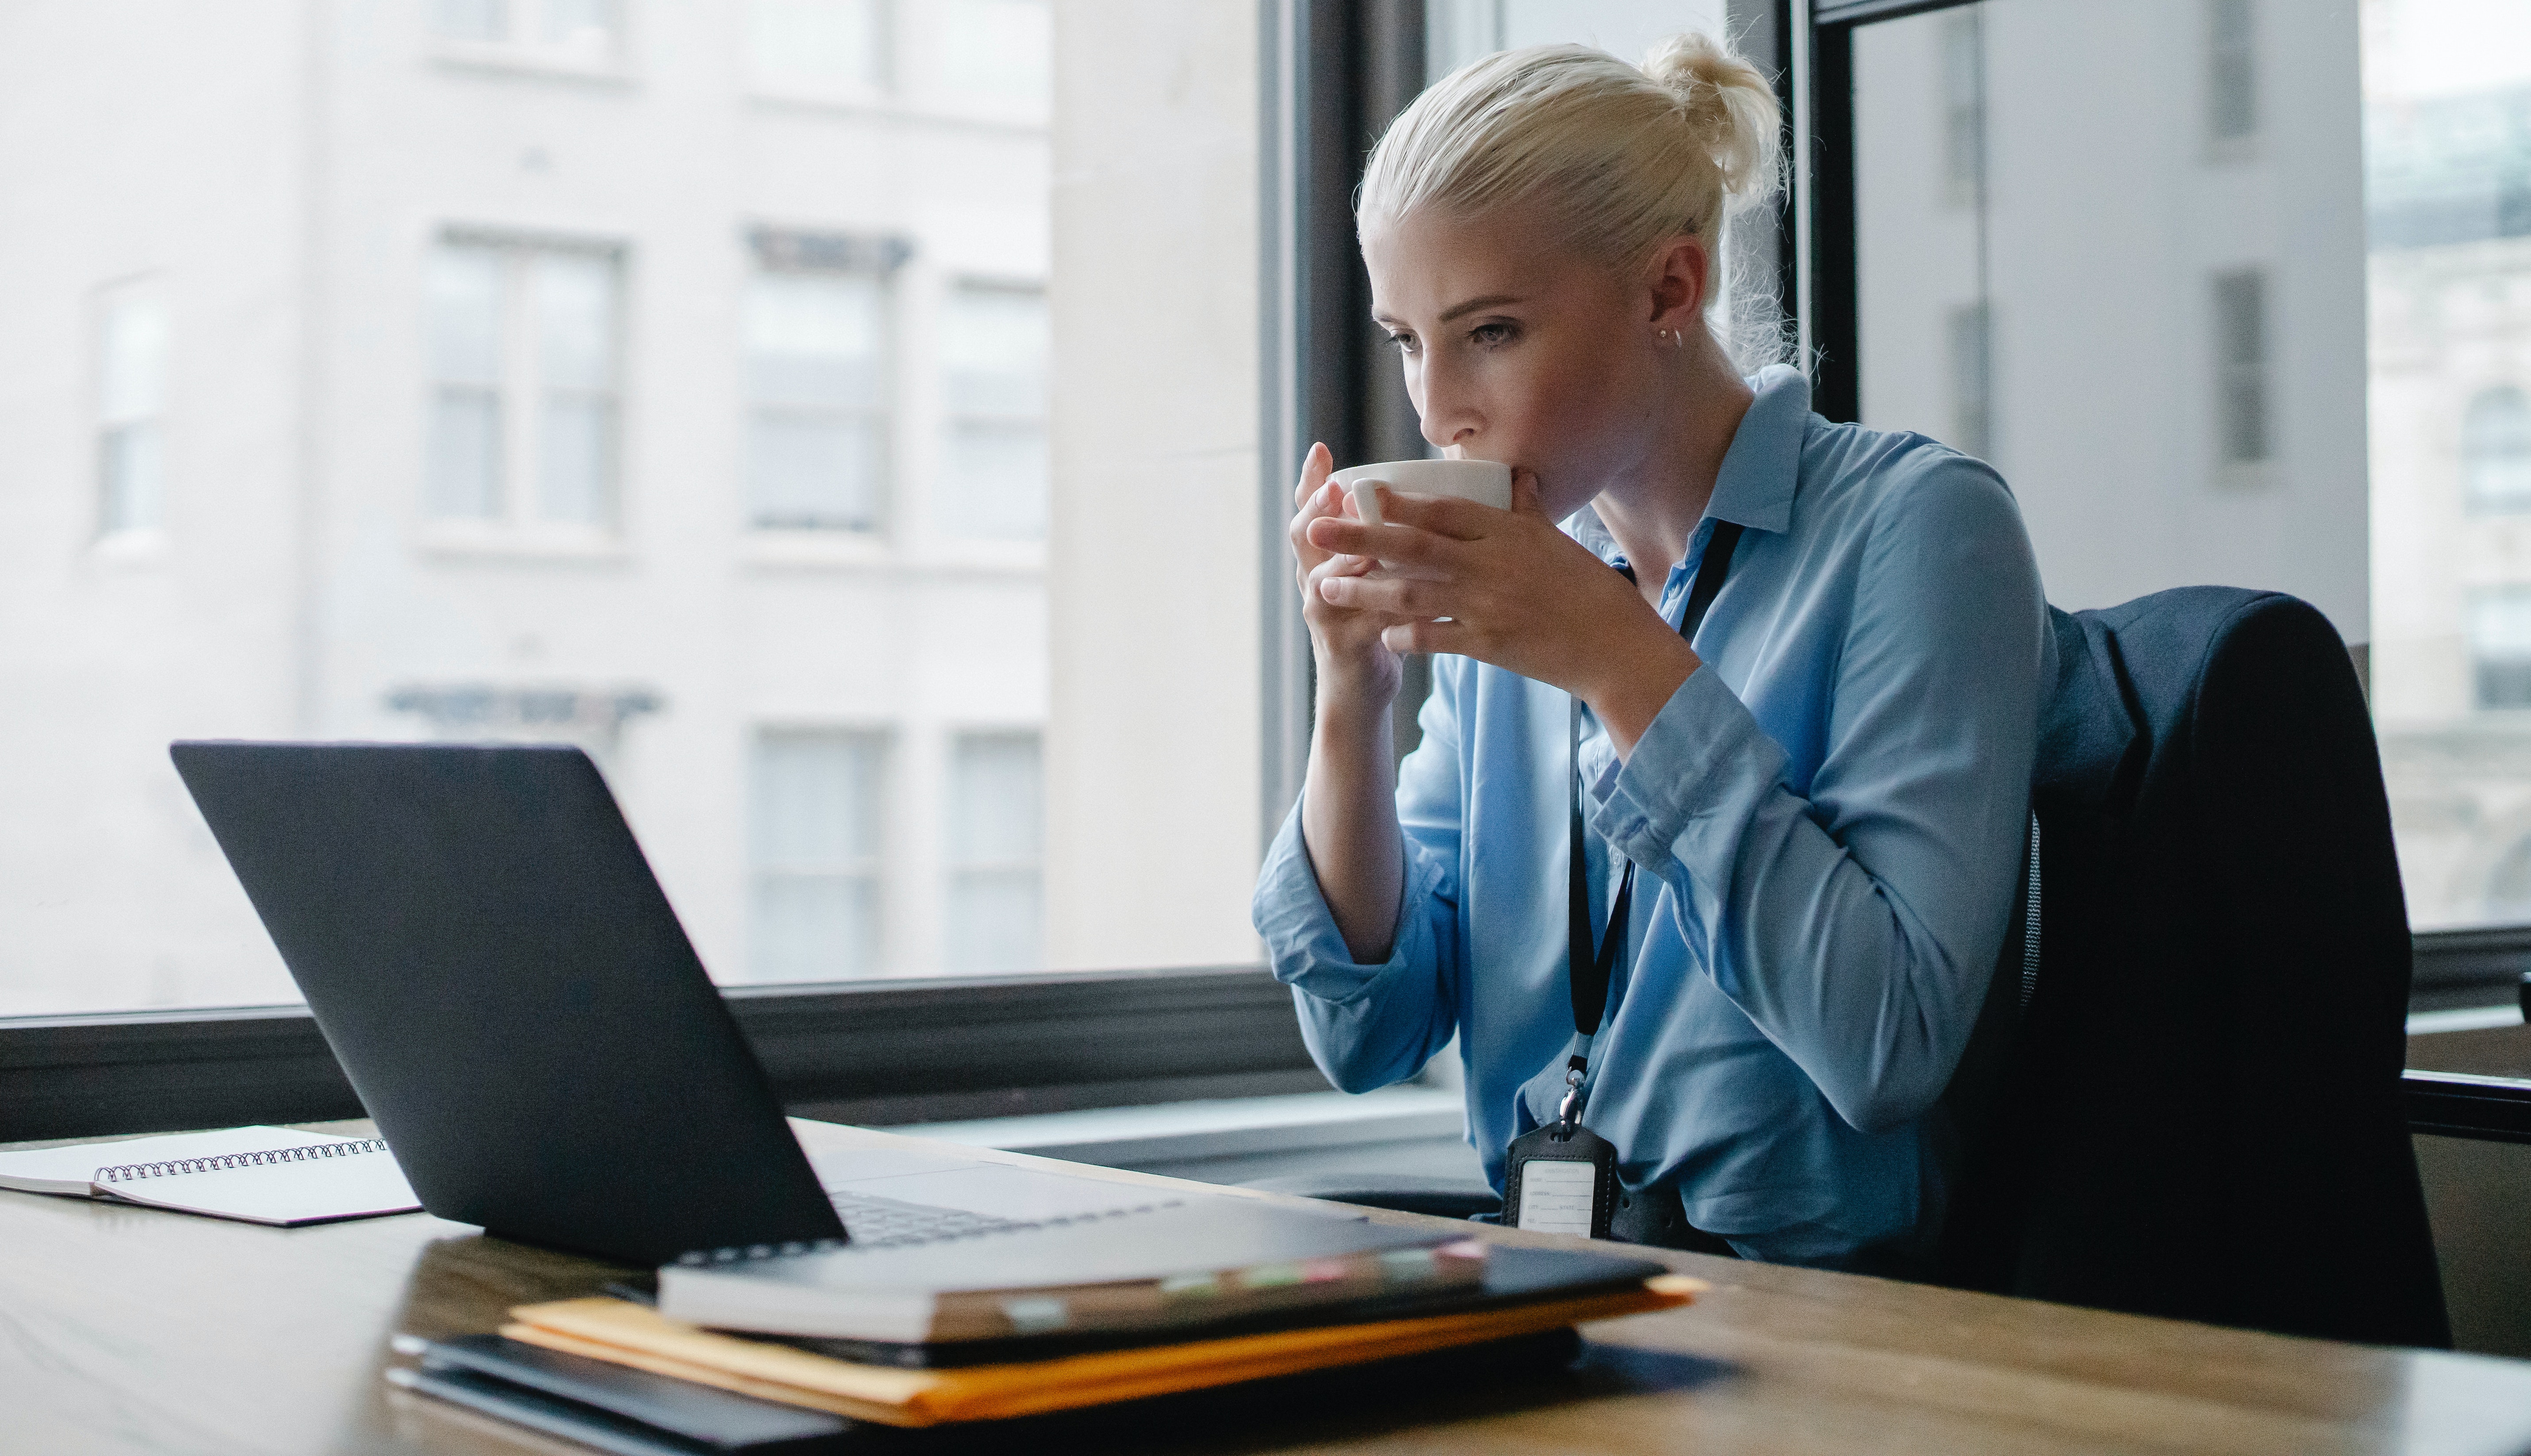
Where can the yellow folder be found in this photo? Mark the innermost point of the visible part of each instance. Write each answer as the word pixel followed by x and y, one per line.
pixel 627 1334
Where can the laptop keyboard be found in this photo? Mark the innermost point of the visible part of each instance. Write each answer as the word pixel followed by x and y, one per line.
pixel 876 1222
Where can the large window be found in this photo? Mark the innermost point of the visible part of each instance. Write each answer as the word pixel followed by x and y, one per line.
pixel 2207 339
pixel 674 380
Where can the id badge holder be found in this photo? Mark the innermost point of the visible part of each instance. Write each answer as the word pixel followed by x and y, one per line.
pixel 1561 1179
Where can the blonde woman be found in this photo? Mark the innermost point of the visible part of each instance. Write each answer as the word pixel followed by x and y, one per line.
pixel 1822 792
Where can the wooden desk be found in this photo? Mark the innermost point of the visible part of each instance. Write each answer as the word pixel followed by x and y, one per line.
pixel 128 1329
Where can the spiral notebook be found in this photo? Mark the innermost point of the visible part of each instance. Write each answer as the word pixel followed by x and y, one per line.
pixel 258 1174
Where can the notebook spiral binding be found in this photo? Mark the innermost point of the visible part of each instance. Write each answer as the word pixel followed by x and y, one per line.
pixel 134 1172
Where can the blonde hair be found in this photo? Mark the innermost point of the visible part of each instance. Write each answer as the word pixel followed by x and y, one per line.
pixel 1625 159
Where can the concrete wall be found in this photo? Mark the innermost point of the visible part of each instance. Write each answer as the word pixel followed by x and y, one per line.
pixel 1154 743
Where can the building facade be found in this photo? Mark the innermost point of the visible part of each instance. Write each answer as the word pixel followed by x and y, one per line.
pixel 666 380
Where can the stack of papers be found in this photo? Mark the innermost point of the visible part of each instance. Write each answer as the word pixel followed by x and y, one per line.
pixel 624 1333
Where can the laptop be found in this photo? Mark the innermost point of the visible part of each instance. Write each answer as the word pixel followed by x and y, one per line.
pixel 492 962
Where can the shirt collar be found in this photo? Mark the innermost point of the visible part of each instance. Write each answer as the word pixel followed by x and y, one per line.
pixel 1754 486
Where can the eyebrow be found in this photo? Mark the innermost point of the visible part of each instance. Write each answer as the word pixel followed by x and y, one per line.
pixel 1487 300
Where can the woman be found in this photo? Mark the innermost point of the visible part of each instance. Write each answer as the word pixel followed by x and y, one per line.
pixel 1823 792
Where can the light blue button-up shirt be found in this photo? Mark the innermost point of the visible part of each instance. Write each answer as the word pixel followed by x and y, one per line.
pixel 1831 810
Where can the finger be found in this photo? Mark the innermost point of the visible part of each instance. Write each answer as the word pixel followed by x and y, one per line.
pixel 1327 502
pixel 1391 543
pixel 1315 466
pixel 1425 636
pixel 1442 515
pixel 1392 596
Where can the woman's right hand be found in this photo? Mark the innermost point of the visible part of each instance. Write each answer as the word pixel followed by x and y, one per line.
pixel 1356 670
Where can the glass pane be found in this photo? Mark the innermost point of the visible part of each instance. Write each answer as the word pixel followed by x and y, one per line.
pixel 2496 450
pixel 816 832
pixel 575 468
pixel 469 20
pixel 994 812
pixel 994 50
pixel 131 359
pixel 2447 183
pixel 824 927
pixel 993 482
pixel 575 320
pixel 814 339
pixel 465 456
pixel 2180 386
pixel 992 922
pixel 817 802
pixel 817 46
pixel 662 312
pixel 132 478
pixel 584 27
pixel 466 286
pixel 816 471
pixel 992 352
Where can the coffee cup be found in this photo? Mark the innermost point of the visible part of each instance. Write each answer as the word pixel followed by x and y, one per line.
pixel 1488 482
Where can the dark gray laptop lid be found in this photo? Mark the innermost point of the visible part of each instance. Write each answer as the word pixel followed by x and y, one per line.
pixel 501 977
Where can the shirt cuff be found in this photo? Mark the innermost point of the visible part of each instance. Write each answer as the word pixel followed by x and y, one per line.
pixel 1693 779
pixel 1308 951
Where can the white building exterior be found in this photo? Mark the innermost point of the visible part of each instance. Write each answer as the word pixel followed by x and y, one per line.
pixel 401 369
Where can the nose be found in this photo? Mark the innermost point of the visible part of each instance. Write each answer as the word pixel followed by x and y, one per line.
pixel 1446 403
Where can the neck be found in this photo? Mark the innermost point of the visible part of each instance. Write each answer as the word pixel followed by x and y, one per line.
pixel 1651 511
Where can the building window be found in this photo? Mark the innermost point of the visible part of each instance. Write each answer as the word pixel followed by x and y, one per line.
pixel 996 52
pixel 2242 367
pixel 2232 72
pixel 1965 104
pixel 993 385
pixel 1972 342
pixel 819 48
pixel 996 834
pixel 524 366
pixel 2499 649
pixel 815 854
pixel 578 33
pixel 130 394
pixel 818 368
pixel 2495 451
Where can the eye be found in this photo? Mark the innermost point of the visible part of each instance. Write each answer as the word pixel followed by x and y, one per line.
pixel 1405 343
pixel 1494 334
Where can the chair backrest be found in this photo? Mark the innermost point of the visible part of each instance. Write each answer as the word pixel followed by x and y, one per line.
pixel 2198 1115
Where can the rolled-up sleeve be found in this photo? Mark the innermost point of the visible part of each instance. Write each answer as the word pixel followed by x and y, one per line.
pixel 1369 1026
pixel 1857 924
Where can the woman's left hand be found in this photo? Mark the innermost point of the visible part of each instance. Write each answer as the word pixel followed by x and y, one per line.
pixel 1515 593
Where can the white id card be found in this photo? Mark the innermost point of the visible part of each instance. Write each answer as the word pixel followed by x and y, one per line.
pixel 1556 1196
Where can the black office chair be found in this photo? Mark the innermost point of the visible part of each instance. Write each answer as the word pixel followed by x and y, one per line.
pixel 2198 1115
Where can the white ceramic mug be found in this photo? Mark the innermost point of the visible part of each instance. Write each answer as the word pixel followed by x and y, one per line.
pixel 1488 482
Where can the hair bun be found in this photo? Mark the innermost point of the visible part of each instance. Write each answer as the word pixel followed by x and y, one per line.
pixel 1729 107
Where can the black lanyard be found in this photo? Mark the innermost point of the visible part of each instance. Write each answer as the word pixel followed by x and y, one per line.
pixel 1588 971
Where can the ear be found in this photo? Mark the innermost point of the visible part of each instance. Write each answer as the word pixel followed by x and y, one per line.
pixel 1677 282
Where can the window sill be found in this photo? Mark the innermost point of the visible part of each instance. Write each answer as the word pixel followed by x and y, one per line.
pixel 523 543
pixel 520 61
pixel 1295 1122
pixel 129 548
pixel 855 550
pixel 874 108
